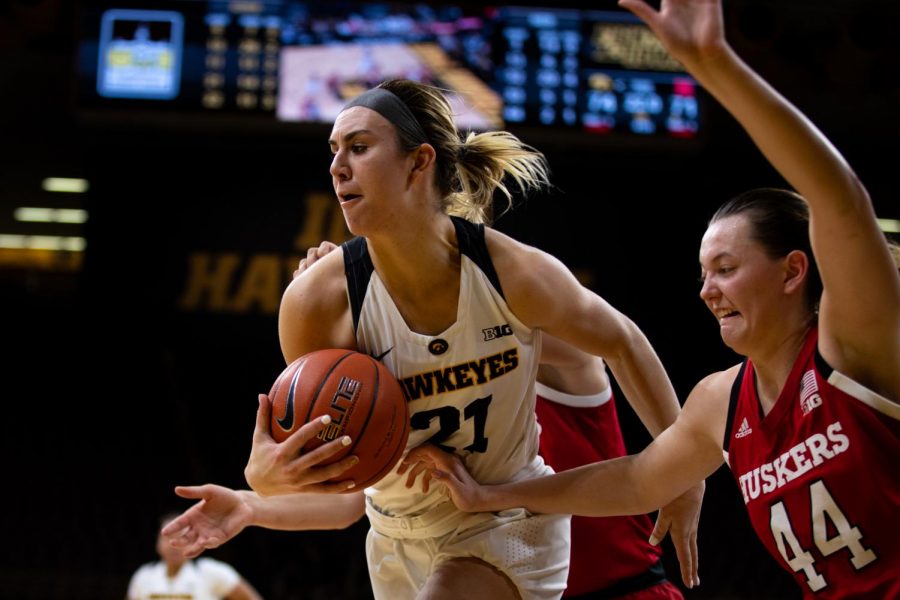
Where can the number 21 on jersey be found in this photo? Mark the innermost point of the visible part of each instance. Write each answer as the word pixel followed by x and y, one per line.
pixel 450 421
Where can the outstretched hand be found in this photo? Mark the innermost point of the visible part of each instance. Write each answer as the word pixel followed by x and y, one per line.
pixel 691 30
pixel 445 469
pixel 681 518
pixel 220 514
pixel 283 468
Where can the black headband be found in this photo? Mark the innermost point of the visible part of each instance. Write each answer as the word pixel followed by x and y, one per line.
pixel 392 108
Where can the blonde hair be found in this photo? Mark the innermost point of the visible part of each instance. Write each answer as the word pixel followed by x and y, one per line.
pixel 469 170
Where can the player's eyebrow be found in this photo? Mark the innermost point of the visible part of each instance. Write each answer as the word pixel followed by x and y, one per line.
pixel 348 136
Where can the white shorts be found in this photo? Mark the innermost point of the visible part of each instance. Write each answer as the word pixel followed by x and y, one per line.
pixel 532 550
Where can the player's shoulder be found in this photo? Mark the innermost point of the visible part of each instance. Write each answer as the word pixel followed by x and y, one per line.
pixel 148 567
pixel 147 572
pixel 505 243
pixel 706 408
pixel 719 383
pixel 512 257
pixel 320 284
pixel 207 564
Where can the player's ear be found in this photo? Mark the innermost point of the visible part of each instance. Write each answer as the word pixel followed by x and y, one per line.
pixel 423 157
pixel 796 267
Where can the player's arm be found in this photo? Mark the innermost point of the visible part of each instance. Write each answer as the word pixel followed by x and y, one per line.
pixel 314 315
pixel 544 294
pixel 315 312
pixel 304 512
pixel 567 369
pixel 859 315
pixel 221 513
pixel 572 371
pixel 683 455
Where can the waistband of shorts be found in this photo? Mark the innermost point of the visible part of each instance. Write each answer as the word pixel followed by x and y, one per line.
pixel 437 521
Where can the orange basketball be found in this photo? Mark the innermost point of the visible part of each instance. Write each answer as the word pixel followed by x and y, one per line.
pixel 362 396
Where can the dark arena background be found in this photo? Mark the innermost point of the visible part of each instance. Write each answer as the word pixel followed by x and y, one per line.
pixel 139 308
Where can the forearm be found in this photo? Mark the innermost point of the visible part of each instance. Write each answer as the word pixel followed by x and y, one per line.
pixel 643 379
pixel 678 459
pixel 601 489
pixel 299 512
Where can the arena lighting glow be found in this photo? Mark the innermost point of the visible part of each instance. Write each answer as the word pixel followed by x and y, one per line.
pixel 42 242
pixel 889 225
pixel 65 184
pixel 35 214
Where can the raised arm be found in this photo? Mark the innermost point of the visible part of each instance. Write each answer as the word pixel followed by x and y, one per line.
pixel 859 317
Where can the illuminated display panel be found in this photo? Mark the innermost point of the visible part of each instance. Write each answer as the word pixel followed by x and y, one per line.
pixel 139 54
pixel 559 69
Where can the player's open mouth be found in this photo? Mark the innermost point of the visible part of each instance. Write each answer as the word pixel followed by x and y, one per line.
pixel 724 314
pixel 349 197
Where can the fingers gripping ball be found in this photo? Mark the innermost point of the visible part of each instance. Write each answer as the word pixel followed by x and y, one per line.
pixel 364 400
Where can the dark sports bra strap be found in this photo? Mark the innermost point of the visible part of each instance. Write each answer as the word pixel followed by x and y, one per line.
pixel 470 237
pixel 358 265
pixel 358 268
pixel 732 405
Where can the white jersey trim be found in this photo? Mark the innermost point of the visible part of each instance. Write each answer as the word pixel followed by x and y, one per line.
pixel 864 395
pixel 579 401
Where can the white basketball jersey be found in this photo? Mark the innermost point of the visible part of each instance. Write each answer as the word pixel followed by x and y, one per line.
pixel 201 579
pixel 470 388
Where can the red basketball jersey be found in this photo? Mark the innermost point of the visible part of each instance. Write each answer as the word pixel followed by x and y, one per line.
pixel 577 430
pixel 820 475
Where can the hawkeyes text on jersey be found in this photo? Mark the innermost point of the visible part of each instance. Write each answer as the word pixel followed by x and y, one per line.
pixel 462 375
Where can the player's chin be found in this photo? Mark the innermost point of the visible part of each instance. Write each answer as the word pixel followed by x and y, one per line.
pixel 733 339
pixel 354 221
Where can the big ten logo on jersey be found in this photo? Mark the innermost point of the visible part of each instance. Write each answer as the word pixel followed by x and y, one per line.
pixel 252 283
pixel 343 402
pixel 809 392
pixel 497 331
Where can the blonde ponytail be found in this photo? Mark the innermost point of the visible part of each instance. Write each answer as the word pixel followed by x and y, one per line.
pixel 469 170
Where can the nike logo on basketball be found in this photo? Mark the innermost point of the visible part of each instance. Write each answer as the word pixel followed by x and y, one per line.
pixel 383 354
pixel 287 421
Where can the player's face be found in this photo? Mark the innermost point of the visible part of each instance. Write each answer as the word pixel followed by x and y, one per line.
pixel 741 284
pixel 368 170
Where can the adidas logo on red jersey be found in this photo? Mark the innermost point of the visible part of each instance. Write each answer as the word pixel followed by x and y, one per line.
pixel 744 429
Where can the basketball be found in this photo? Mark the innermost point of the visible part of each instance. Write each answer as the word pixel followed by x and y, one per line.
pixel 364 400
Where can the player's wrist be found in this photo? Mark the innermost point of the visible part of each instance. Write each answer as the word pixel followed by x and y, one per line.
pixel 250 513
pixel 493 498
